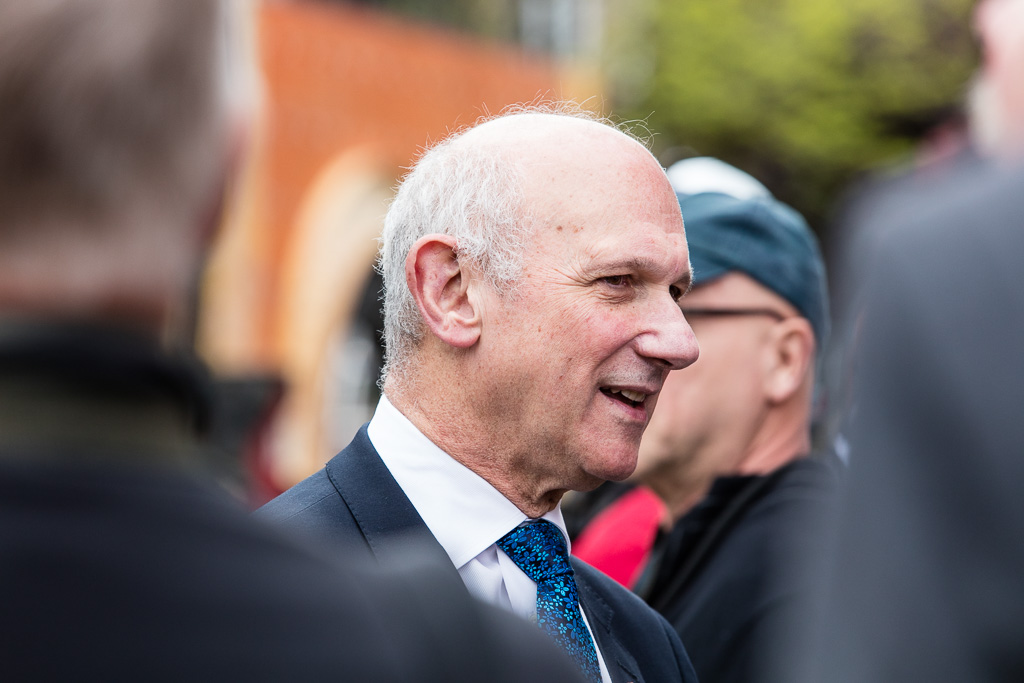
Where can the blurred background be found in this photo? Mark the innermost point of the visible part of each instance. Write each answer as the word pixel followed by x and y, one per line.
pixel 806 95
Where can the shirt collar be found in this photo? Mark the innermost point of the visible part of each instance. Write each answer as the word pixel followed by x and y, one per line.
pixel 462 510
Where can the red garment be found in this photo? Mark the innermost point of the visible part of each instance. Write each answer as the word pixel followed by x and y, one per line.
pixel 619 539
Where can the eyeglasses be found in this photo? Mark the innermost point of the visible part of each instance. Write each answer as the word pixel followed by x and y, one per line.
pixel 730 312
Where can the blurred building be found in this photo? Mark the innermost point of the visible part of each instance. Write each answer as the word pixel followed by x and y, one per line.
pixel 351 92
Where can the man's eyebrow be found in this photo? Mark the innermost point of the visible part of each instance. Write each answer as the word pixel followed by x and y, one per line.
pixel 636 264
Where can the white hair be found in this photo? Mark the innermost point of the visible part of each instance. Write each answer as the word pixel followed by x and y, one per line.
pixel 472 192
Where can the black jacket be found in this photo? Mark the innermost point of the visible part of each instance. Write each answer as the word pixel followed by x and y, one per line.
pixel 925 580
pixel 726 576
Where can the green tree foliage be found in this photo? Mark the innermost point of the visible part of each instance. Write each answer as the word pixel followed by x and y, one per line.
pixel 802 93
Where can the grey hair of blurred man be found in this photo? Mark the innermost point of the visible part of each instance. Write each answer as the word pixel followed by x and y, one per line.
pixel 472 193
pixel 116 139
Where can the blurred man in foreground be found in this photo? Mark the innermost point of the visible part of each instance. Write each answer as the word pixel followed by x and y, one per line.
pixel 533 267
pixel 924 583
pixel 116 562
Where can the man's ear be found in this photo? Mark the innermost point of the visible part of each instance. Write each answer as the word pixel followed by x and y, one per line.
pixel 791 350
pixel 442 290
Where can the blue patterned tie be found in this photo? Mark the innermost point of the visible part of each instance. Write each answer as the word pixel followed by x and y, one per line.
pixel 538 548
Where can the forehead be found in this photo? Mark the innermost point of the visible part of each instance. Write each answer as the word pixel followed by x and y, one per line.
pixel 654 251
pixel 591 192
pixel 606 201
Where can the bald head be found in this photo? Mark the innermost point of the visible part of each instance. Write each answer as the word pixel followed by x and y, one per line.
pixel 474 187
pixel 552 147
pixel 533 132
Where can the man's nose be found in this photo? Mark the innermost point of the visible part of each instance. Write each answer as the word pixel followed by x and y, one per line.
pixel 668 337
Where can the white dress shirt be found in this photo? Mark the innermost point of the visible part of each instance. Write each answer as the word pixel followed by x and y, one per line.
pixel 464 513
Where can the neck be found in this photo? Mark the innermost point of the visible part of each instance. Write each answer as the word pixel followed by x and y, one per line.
pixel 448 424
pixel 777 442
pixel 132 278
pixel 146 311
pixel 679 489
pixel 784 436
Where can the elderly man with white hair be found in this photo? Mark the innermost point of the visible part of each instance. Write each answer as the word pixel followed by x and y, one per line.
pixel 533 267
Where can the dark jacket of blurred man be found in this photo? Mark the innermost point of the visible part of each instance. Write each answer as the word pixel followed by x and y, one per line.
pixel 532 270
pixel 726 450
pixel 116 562
pixel 923 581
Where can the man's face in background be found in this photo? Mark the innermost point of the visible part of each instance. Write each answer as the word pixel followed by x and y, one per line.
pixel 708 413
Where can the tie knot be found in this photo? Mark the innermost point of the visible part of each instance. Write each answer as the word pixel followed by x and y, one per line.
pixel 538 548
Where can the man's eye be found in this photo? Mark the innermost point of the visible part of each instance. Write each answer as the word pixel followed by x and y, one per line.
pixel 675 293
pixel 616 280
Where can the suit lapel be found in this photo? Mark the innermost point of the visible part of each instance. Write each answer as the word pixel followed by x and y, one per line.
pixel 390 525
pixel 385 515
pixel 621 665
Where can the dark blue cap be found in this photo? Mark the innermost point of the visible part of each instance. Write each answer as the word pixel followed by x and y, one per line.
pixel 764 239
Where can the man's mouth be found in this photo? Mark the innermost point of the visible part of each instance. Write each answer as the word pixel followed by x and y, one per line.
pixel 634 399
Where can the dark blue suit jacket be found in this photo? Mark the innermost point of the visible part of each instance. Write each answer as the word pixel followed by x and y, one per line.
pixel 354 502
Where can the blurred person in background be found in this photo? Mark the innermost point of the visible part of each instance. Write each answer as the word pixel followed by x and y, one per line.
pixel 118 133
pixel 532 268
pixel 729 450
pixel 923 573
